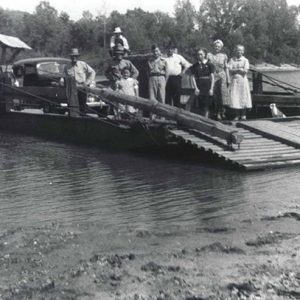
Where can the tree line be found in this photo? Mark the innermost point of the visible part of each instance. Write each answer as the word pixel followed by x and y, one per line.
pixel 269 29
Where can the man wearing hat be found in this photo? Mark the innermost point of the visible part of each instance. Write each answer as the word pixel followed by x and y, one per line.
pixel 118 39
pixel 114 71
pixel 78 73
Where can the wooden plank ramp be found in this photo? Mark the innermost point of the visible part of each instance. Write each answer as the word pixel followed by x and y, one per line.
pixel 258 151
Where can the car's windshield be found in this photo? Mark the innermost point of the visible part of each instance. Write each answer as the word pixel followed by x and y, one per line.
pixel 50 69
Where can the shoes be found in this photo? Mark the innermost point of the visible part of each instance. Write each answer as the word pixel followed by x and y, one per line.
pixel 243 118
pixel 236 119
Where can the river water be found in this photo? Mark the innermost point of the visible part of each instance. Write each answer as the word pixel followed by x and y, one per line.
pixel 43 181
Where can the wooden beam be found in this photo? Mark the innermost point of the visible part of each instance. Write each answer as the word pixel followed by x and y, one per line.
pixel 183 117
pixel 3 55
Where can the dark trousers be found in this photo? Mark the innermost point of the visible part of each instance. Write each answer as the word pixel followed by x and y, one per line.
pixel 173 90
pixel 82 101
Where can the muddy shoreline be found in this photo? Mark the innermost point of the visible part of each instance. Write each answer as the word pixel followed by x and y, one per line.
pixel 256 260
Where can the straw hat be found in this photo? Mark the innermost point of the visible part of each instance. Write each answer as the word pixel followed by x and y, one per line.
pixel 118 30
pixel 74 52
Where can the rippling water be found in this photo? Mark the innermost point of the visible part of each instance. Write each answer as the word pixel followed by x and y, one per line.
pixel 42 181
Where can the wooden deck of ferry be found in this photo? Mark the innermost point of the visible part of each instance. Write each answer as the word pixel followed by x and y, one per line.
pixel 246 145
pixel 267 144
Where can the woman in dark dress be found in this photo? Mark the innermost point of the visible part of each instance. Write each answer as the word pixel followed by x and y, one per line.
pixel 203 77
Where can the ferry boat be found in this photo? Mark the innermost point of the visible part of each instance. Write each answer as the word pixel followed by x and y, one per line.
pixel 33 102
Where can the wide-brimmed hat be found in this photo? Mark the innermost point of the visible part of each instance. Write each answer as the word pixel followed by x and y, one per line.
pixel 118 30
pixel 118 49
pixel 74 52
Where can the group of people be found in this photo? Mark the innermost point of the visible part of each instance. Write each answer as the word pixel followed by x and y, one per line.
pixel 218 83
pixel 221 84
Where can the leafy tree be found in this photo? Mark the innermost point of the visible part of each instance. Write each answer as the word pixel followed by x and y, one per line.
pixel 63 37
pixel 254 29
pixel 41 27
pixel 83 34
pixel 282 27
pixel 269 29
pixel 186 34
pixel 5 22
pixel 221 18
pixel 185 16
pixel 163 29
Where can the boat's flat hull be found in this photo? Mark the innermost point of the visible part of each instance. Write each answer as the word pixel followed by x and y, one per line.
pixel 85 130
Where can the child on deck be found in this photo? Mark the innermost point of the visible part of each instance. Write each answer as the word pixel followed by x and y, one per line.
pixel 128 86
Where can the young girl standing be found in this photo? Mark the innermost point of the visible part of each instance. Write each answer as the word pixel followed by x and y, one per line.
pixel 128 86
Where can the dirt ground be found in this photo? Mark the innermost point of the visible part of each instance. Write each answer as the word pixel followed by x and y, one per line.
pixel 257 260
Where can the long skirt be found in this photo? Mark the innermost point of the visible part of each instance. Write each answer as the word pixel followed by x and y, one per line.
pixel 221 91
pixel 240 96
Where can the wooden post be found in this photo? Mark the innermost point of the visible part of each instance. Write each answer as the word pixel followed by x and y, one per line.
pixel 257 82
pixel 2 98
pixel 3 55
pixel 72 95
pixel 183 117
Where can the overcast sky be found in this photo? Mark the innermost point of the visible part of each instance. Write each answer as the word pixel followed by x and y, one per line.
pixel 74 8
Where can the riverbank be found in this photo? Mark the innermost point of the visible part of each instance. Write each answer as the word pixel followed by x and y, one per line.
pixel 257 260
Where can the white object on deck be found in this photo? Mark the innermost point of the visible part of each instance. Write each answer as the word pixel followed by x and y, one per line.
pixel 276 113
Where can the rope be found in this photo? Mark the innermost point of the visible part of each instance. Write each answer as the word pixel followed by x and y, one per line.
pixel 280 86
pixel 276 82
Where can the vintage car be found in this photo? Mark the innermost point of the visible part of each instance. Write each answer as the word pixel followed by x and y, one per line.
pixel 38 85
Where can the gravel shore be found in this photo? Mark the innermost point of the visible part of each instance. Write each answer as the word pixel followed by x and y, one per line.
pixel 258 260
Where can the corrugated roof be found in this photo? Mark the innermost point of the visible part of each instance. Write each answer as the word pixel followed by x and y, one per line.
pixel 13 42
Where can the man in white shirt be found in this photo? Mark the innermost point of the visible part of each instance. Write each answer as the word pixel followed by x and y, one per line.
pixel 176 66
pixel 118 39
pixel 82 75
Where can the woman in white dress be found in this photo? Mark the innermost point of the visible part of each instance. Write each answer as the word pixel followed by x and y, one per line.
pixel 240 97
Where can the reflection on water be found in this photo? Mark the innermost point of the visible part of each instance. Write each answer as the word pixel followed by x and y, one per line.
pixel 43 181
